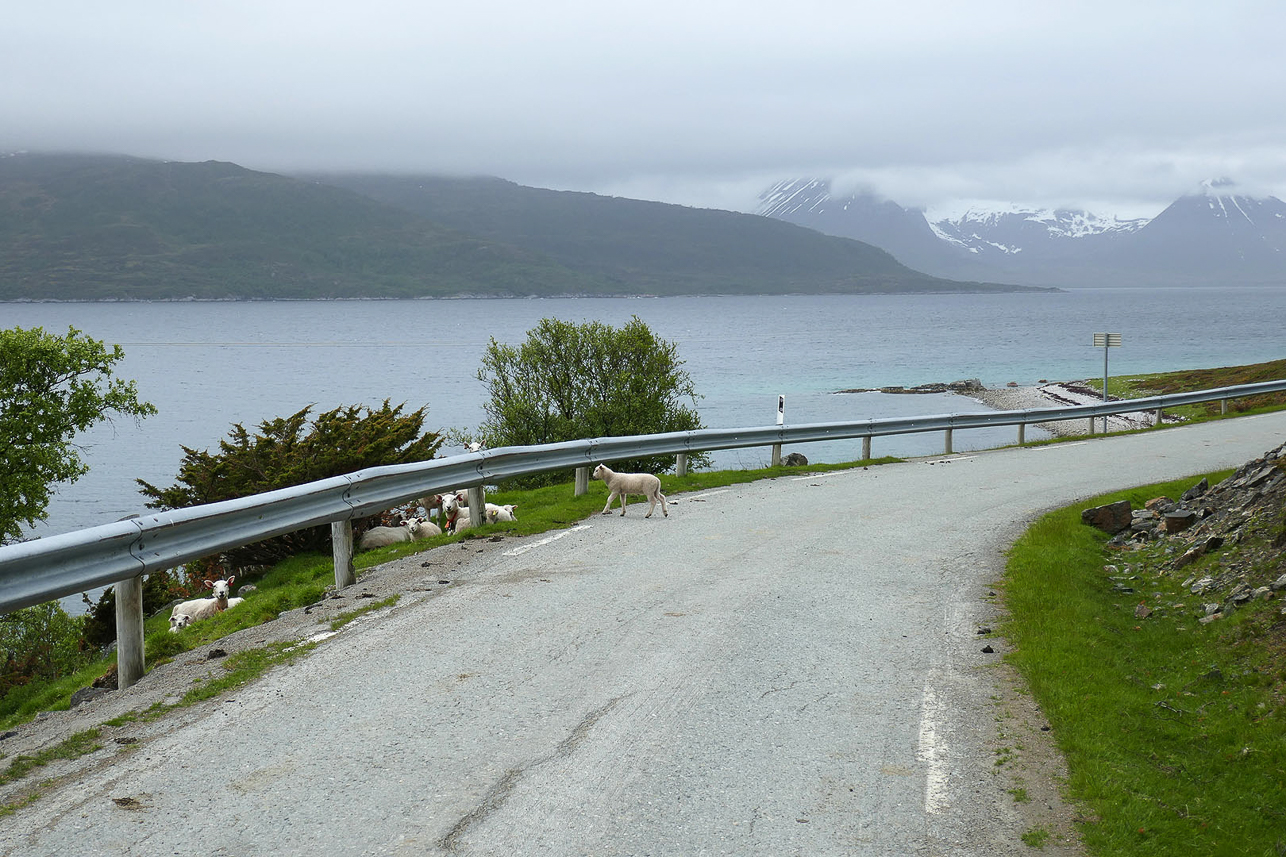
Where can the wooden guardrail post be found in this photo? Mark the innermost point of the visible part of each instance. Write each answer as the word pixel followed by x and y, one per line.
pixel 1022 433
pixel 582 481
pixel 129 631
pixel 341 547
pixel 478 505
pixel 776 455
pixel 948 433
pixel 681 464
pixel 1159 416
pixel 866 448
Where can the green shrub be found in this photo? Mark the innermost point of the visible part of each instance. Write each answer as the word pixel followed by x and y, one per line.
pixel 569 382
pixel 291 451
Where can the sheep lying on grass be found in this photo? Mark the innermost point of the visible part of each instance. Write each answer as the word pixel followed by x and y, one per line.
pixel 622 484
pixel 407 531
pixel 186 613
pixel 459 518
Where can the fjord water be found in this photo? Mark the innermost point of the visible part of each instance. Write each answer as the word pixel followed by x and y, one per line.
pixel 209 365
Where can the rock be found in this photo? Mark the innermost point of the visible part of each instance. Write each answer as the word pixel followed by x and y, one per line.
pixel 1202 585
pixel 1180 520
pixel 1196 490
pixel 1112 518
pixel 108 679
pixel 87 694
pixel 1161 505
pixel 1279 584
pixel 795 459
pixel 1142 611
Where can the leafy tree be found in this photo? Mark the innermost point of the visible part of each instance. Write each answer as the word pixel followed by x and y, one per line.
pixel 51 387
pixel 570 381
pixel 290 451
pixel 40 642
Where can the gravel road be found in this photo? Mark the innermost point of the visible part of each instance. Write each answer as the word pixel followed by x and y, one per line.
pixel 788 667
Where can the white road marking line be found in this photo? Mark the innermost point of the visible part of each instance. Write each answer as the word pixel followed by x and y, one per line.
pixel 1058 445
pixel 522 549
pixel 708 494
pixel 933 752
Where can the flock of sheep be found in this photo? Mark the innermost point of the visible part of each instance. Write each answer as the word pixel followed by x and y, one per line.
pixel 455 515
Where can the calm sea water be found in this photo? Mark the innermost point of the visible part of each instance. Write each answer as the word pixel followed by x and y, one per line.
pixel 208 365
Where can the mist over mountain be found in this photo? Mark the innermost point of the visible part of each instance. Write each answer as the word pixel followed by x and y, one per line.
pixel 1214 236
pixel 88 227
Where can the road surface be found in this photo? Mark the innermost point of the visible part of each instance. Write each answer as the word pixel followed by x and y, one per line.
pixel 787 667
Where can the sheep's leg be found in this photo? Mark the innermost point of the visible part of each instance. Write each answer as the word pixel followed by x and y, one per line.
pixel 624 502
pixel 664 511
pixel 651 505
pixel 607 510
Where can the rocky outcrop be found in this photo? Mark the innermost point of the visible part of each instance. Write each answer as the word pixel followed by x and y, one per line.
pixel 1229 540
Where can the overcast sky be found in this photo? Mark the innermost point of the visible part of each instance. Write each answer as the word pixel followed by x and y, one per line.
pixel 1120 106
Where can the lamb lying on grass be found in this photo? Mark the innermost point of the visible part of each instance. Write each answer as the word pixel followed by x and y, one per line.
pixel 203 608
pixel 460 518
pixel 623 484
pixel 407 531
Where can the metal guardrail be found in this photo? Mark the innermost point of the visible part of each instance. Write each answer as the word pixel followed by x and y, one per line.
pixel 43 569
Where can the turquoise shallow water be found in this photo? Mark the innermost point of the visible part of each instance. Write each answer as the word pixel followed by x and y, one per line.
pixel 208 365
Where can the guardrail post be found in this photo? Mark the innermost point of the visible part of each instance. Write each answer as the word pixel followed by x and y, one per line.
pixel 582 481
pixel 478 504
pixel 866 448
pixel 1159 415
pixel 948 433
pixel 681 464
pixel 341 548
pixel 129 631
pixel 1223 407
pixel 776 455
pixel 1092 419
pixel 1022 433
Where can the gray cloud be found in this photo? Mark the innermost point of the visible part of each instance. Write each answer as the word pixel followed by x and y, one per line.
pixel 1124 106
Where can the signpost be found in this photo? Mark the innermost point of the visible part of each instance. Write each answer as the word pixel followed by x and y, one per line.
pixel 1105 341
pixel 781 420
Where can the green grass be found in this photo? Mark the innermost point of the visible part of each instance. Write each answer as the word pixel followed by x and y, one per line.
pixel 1186 381
pixel 1174 731
pixel 73 748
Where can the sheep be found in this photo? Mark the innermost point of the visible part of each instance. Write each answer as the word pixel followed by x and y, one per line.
pixel 421 528
pixel 622 484
pixel 435 501
pixel 203 608
pixel 409 530
pixel 501 513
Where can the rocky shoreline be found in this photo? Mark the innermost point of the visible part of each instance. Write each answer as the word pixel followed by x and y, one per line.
pixel 1021 398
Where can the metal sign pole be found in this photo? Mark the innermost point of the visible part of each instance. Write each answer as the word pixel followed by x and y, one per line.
pixel 1106 340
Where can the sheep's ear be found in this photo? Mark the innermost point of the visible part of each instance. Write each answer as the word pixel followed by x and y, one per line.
pixel 209 584
pixel 231 579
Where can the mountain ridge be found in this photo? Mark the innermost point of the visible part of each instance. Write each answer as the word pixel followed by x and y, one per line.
pixel 1214 235
pixel 104 227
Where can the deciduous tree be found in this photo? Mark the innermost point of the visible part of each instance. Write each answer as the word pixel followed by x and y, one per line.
pixel 570 381
pixel 51 388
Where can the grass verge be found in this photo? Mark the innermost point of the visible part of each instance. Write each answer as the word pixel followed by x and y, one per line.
pixel 1174 731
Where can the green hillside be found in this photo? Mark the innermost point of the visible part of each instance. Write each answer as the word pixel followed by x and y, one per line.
pixel 652 247
pixel 89 227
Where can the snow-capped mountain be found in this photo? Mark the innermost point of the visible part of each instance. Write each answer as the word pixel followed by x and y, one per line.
pixel 1215 235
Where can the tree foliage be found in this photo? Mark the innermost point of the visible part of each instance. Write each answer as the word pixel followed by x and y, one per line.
pixel 570 381
pixel 290 451
pixel 51 388
pixel 40 642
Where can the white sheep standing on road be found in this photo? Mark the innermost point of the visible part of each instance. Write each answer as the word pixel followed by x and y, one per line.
pixel 622 484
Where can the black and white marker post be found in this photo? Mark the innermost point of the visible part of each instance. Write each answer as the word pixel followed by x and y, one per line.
pixel 781 420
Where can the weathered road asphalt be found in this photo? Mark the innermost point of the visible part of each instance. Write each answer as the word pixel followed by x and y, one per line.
pixel 782 668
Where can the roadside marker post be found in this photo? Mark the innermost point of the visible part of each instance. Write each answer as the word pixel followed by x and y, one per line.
pixel 1105 341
